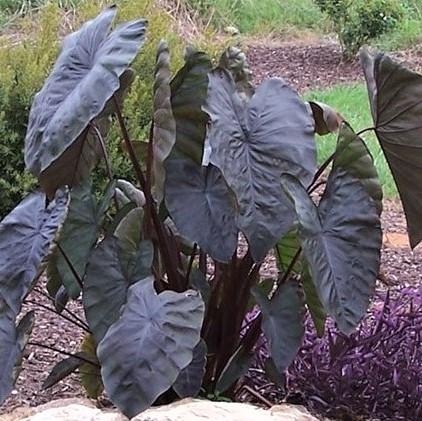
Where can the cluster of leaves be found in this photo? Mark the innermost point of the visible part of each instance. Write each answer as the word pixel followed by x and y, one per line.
pixel 164 280
pixel 375 372
pixel 357 22
pixel 25 65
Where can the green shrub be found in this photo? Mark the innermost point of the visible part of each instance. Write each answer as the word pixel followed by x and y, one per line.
pixel 360 21
pixel 25 66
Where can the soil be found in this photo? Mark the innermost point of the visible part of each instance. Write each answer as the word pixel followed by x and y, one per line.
pixel 304 67
pixel 313 65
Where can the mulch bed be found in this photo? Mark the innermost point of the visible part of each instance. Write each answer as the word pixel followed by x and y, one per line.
pixel 304 67
pixel 314 66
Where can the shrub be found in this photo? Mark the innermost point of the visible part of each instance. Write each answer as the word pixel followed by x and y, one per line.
pixel 165 281
pixel 358 22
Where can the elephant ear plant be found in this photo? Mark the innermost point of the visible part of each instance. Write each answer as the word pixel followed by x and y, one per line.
pixel 167 269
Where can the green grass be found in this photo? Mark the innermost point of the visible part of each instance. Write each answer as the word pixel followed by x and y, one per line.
pixel 261 16
pixel 351 101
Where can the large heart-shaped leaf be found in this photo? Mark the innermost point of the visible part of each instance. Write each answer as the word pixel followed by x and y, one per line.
pixel 253 144
pixel 164 135
pixel 143 353
pixel 129 230
pixel 112 268
pixel 7 349
pixel 86 75
pixel 74 165
pixel 27 235
pixel 12 344
pixel 315 307
pixel 287 249
pixel 78 236
pixel 188 95
pixel 395 98
pixel 283 322
pixel 202 207
pixel 189 381
pixel 353 155
pixel 341 241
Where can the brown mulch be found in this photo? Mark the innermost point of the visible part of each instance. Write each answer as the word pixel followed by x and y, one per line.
pixel 314 66
pixel 53 331
pixel 304 67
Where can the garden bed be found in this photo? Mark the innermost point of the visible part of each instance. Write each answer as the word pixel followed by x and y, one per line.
pixel 303 67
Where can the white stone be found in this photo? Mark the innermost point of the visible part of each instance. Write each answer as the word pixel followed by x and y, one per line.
pixel 185 410
pixel 202 410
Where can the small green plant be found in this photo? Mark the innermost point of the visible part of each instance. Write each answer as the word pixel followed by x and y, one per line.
pixel 357 22
pixel 160 266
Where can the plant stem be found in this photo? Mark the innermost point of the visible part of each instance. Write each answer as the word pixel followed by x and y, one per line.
pixel 290 268
pixel 251 336
pixel 106 161
pixel 103 150
pixel 248 341
pixel 68 354
pixel 321 170
pixel 132 155
pixel 173 277
pixel 59 314
pixel 75 169
pixel 256 395
pixel 366 130
pixel 328 161
pixel 71 313
pixel 71 267
pixel 202 262
pixel 150 158
pixel 192 258
pixel 316 186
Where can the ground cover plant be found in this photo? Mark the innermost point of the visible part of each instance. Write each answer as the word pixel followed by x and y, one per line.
pixel 372 374
pixel 160 265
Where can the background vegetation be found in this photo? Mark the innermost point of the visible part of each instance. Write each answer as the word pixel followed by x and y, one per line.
pixel 29 46
pixel 280 16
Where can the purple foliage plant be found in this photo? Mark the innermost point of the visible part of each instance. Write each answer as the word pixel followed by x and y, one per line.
pixel 374 373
